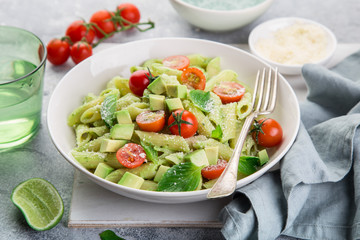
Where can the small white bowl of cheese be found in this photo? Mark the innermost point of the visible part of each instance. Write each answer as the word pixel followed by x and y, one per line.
pixel 289 43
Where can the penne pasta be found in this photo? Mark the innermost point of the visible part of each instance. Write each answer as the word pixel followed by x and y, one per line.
pixel 109 126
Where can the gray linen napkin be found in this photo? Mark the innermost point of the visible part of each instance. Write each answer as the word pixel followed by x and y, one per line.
pixel 316 193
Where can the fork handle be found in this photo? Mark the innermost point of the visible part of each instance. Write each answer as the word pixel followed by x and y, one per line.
pixel 226 184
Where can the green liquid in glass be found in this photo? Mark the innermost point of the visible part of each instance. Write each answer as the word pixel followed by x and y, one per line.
pixel 20 102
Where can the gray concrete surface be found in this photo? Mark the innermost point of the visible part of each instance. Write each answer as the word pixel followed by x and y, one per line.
pixel 39 158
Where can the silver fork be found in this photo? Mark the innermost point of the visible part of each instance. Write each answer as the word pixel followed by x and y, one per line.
pixel 265 94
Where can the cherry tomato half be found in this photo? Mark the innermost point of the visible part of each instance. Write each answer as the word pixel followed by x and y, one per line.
pixel 267 132
pixel 103 20
pixel 138 81
pixel 131 155
pixel 79 30
pixel 178 62
pixel 58 51
pixel 214 171
pixel 129 12
pixel 229 91
pixel 80 51
pixel 151 121
pixel 193 78
pixel 186 129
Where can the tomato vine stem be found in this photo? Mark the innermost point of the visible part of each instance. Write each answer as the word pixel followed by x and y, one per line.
pixel 121 24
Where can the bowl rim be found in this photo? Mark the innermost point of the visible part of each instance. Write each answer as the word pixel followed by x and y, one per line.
pixel 237 11
pixel 167 195
pixel 289 20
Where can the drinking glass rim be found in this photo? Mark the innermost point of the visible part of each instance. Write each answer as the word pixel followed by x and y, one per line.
pixel 42 63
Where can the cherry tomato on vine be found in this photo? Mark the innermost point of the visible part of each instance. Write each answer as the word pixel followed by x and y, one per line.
pixel 103 20
pixel 139 80
pixel 58 51
pixel 80 51
pixel 151 121
pixel 131 155
pixel 129 12
pixel 229 91
pixel 214 171
pixel 183 123
pixel 78 30
pixel 178 62
pixel 193 78
pixel 267 132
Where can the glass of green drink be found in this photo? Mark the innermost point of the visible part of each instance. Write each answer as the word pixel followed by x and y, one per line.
pixel 22 65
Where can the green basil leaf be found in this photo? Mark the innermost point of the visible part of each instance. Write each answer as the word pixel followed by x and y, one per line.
pixel 151 153
pixel 217 132
pixel 179 178
pixel 248 164
pixel 202 100
pixel 108 109
pixel 109 235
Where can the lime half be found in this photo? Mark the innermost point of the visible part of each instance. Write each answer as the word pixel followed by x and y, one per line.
pixel 40 203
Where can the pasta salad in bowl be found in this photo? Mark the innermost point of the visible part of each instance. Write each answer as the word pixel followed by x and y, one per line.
pixel 157 123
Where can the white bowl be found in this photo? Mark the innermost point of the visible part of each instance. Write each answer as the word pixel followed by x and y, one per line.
pixel 92 75
pixel 219 20
pixel 267 29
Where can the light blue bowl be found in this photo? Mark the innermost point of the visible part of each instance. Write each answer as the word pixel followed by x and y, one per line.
pixel 214 15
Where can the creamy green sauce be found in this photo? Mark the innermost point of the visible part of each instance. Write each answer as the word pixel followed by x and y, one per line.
pixel 224 4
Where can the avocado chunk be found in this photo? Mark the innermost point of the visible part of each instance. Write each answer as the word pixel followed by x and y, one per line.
pixel 122 131
pixel 157 86
pixel 176 90
pixel 174 104
pixel 145 170
pixel 157 102
pixel 111 145
pixel 131 180
pixel 102 170
pixel 212 154
pixel 263 156
pixel 123 116
pixel 116 175
pixel 197 157
pixel 161 171
pixel 149 185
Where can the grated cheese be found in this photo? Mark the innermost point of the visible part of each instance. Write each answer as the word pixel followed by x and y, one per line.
pixel 296 44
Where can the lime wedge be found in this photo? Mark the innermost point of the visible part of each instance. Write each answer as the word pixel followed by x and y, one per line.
pixel 40 203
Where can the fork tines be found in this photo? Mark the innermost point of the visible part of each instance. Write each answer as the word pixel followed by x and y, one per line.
pixel 265 90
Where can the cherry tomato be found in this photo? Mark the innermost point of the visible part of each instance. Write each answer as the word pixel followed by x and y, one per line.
pixel 58 51
pixel 214 171
pixel 131 155
pixel 187 122
pixel 103 20
pixel 193 78
pixel 129 12
pixel 139 81
pixel 267 132
pixel 151 121
pixel 229 91
pixel 79 30
pixel 80 51
pixel 178 62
